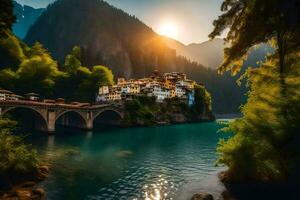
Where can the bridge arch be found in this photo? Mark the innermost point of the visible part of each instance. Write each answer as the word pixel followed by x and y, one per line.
pixel 107 116
pixel 71 119
pixel 30 118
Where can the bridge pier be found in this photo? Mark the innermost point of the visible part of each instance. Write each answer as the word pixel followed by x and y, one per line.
pixel 89 120
pixel 89 124
pixel 51 118
pixel 47 115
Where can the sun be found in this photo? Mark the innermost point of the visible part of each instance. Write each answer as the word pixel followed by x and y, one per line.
pixel 169 29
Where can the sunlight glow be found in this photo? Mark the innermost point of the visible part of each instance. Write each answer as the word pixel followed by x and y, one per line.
pixel 169 29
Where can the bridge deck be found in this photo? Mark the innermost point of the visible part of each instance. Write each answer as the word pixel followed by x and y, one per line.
pixel 52 105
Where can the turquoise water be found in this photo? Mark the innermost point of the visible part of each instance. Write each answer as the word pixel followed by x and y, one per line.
pixel 169 162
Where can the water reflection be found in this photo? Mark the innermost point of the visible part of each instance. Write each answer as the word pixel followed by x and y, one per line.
pixel 89 134
pixel 160 163
pixel 159 190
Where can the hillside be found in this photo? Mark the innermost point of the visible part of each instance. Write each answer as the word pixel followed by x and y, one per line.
pixel 209 53
pixel 111 37
pixel 26 16
pixel 106 35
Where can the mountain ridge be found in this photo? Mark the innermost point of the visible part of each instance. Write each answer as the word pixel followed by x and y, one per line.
pixel 109 36
pixel 26 16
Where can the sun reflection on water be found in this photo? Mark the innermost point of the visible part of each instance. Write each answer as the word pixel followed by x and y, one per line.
pixel 160 190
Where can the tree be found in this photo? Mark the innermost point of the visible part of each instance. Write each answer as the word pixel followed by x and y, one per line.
pixel 37 74
pixel 7 18
pixel 254 22
pixel 17 158
pixel 11 52
pixel 202 100
pixel 73 60
pixel 265 145
pixel 91 80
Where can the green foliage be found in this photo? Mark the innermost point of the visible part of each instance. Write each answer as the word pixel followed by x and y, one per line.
pixel 203 100
pixel 131 49
pixel 138 114
pixel 7 124
pixel 72 61
pixel 16 157
pixel 7 17
pixel 8 78
pixel 102 76
pixel 265 145
pixel 266 141
pixel 91 80
pixel 255 22
pixel 11 52
pixel 38 74
pixel 144 110
pixel 36 50
pixel 34 70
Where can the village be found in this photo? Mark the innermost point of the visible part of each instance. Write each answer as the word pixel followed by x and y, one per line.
pixel 159 85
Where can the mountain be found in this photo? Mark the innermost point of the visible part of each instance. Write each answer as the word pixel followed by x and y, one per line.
pixel 131 49
pixel 106 35
pixel 26 16
pixel 209 53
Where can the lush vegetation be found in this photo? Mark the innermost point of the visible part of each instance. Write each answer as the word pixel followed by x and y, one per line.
pixel 127 46
pixel 32 69
pixel 17 158
pixel 144 110
pixel 265 145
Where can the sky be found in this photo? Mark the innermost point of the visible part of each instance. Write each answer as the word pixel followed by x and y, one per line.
pixel 188 21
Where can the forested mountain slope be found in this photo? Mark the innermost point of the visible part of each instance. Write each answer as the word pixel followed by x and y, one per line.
pixel 111 37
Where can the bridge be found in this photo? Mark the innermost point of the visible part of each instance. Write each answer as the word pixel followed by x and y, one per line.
pixel 47 116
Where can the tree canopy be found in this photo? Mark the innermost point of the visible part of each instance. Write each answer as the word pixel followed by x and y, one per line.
pixel 254 22
pixel 7 17
pixel 32 69
pixel 265 144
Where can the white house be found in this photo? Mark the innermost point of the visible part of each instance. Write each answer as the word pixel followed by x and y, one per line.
pixel 103 90
pixel 161 93
pixel 179 91
pixel 5 95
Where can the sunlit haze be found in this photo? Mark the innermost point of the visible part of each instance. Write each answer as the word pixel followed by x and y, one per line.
pixel 188 21
pixel 169 29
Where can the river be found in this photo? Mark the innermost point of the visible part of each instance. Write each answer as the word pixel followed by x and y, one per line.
pixel 167 162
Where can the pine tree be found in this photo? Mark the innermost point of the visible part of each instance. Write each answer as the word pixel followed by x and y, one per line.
pixel 7 18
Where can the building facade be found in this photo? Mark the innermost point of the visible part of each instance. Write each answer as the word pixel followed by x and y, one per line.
pixel 160 85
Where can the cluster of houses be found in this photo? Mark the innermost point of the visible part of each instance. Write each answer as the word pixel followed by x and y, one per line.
pixel 159 85
pixel 6 95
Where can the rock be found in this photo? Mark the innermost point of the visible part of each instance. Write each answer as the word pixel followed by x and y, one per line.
pixel 44 168
pixel 226 195
pixel 39 192
pixel 202 196
pixel 123 154
pixel 178 118
pixel 29 184
pixel 24 194
pixel 224 177
pixel 43 172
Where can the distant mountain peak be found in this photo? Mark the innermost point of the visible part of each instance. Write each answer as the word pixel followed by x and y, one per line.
pixel 26 16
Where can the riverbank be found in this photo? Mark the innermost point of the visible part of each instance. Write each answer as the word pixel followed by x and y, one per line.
pixel 251 189
pixel 25 186
pixel 145 111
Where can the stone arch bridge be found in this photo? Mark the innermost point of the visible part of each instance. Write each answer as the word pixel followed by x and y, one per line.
pixel 51 114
